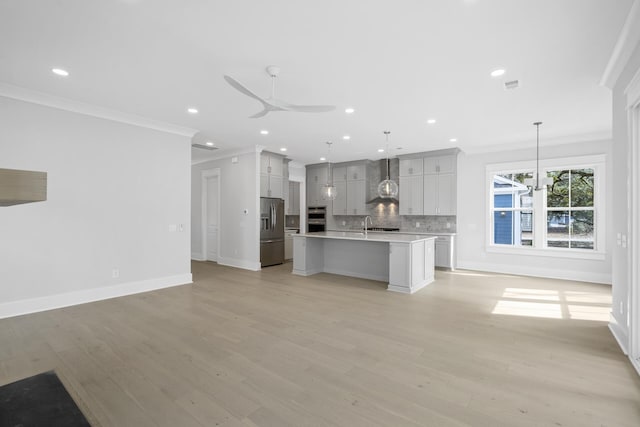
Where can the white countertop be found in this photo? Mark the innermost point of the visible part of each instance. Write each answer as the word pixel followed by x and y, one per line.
pixel 421 233
pixel 370 236
pixel 428 233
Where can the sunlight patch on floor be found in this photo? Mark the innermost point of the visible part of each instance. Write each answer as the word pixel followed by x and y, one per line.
pixel 529 309
pixel 554 304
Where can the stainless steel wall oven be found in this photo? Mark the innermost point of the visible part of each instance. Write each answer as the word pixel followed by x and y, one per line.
pixel 316 218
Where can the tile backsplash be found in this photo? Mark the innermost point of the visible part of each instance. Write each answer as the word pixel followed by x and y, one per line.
pixel 385 216
pixel 292 221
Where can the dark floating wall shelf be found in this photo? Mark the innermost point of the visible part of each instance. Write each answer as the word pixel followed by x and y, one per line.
pixel 20 186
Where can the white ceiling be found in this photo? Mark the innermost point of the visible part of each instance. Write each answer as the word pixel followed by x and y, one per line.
pixel 396 62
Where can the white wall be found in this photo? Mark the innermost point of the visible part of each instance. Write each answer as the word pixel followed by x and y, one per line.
pixel 239 190
pixel 621 210
pixel 113 191
pixel 473 210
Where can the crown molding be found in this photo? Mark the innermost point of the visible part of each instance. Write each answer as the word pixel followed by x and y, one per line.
pixel 27 95
pixel 230 153
pixel 627 42
pixel 603 136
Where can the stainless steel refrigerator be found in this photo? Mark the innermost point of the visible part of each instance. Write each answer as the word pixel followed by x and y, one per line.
pixel 271 231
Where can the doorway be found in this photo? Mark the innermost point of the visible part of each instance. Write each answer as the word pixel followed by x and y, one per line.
pixel 211 214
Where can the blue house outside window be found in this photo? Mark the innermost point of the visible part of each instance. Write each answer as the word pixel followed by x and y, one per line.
pixel 503 220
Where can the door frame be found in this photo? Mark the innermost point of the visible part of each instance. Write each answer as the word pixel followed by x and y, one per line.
pixel 633 211
pixel 204 195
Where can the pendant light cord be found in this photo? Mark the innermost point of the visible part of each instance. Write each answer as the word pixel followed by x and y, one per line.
pixel 329 180
pixel 387 132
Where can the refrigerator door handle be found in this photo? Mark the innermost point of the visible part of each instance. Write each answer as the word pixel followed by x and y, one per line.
pixel 275 215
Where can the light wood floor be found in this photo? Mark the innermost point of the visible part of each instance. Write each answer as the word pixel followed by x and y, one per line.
pixel 240 348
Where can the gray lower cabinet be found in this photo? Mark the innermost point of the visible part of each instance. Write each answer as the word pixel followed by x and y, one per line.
pixel 445 252
pixel 288 244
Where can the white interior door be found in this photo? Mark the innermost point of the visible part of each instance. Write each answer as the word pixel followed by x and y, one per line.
pixel 213 199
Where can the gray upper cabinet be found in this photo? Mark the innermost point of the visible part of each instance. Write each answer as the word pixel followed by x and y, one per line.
pixel 356 195
pixel 356 172
pixel 351 188
pixel 293 197
pixel 409 167
pixel 428 183
pixel 411 195
pixel 440 164
pixel 339 173
pixel 340 202
pixel 440 184
pixel 316 178
pixel 272 175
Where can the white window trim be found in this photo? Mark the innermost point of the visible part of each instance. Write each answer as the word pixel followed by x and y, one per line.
pixel 597 162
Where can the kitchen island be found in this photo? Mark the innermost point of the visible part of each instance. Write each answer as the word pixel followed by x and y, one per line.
pixel 406 262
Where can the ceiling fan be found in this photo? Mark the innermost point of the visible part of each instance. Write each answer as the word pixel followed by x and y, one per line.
pixel 273 104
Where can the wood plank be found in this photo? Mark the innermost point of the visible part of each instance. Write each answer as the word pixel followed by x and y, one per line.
pixel 270 348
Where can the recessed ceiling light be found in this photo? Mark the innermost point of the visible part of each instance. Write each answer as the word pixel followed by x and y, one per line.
pixel 209 143
pixel 264 132
pixel 431 121
pixel 322 159
pixel 497 72
pixel 380 150
pixel 349 110
pixel 283 149
pixel 346 137
pixel 192 110
pixel 60 72
pixel 453 140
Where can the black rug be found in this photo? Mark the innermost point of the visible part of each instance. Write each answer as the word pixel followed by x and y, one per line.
pixel 40 400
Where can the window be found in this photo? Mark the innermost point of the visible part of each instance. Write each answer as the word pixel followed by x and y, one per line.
pixel 512 209
pixel 570 209
pixel 562 218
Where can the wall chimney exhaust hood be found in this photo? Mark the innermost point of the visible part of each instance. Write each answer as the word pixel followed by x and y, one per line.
pixel 18 187
pixel 377 173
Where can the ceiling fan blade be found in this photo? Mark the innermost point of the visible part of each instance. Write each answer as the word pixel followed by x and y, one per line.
pixel 301 108
pixel 272 104
pixel 312 108
pixel 260 114
pixel 238 86
pixel 268 107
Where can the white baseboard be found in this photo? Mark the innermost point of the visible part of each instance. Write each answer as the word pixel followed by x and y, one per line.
pixel 619 333
pixel 197 256
pixel 582 276
pixel 636 364
pixel 34 305
pixel 239 263
pixel 305 272
pixel 412 290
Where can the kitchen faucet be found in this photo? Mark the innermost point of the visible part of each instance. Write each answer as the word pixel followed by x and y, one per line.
pixel 368 217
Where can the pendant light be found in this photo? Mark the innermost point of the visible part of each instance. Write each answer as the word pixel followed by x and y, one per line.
pixel 388 188
pixel 538 183
pixel 329 190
